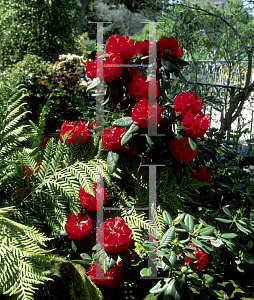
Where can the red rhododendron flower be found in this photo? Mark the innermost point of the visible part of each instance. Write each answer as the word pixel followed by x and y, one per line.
pixel 140 114
pixel 109 73
pixel 78 227
pixel 199 254
pixel 202 174
pixel 133 73
pixel 141 47
pixel 117 235
pixel 112 279
pixel 185 102
pixel 138 87
pixel 67 127
pixel 81 129
pixel 88 201
pixel 123 45
pixel 195 126
pixel 91 69
pixel 169 46
pixel 111 138
pixel 182 150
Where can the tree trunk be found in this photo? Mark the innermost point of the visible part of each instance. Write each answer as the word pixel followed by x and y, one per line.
pixel 82 12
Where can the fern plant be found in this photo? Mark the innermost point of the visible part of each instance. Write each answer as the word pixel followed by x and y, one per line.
pixel 53 186
pixel 12 129
pixel 23 262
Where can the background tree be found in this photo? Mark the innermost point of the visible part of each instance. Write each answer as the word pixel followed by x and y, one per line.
pixel 44 28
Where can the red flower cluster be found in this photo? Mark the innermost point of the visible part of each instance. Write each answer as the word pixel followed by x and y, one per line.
pixel 81 129
pixel 202 174
pixel 140 114
pixel 109 73
pixel 141 47
pixel 169 46
pixel 78 227
pixel 117 235
pixel 187 102
pixel 182 150
pixel 123 45
pixel 189 105
pixel 195 125
pixel 199 254
pixel 91 69
pixel 112 279
pixel 88 201
pixel 138 87
pixel 111 138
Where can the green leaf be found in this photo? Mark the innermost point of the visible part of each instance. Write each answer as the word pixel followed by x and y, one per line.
pixel 73 246
pixel 223 220
pixel 159 287
pixel 96 81
pixel 242 228
pixel 84 263
pixel 171 291
pixel 217 243
pixel 192 144
pixel 167 237
pixel 109 260
pixel 145 272
pixel 189 222
pixel 166 63
pixel 123 122
pixel 167 218
pixel 197 243
pixel 172 258
pixel 85 256
pixel 112 160
pixel 149 140
pixel 224 183
pixel 207 230
pixel 126 138
pixel 229 235
pixel 214 293
pixel 208 278
pixel 228 211
pixel 184 227
pixel 195 278
pixel 165 264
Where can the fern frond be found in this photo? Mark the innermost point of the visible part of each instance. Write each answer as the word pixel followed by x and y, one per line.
pixel 22 261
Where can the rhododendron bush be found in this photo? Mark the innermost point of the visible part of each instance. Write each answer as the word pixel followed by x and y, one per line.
pixel 169 216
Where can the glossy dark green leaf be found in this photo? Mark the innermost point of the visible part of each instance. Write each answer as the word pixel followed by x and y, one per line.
pixel 165 264
pixel 189 222
pixel 242 228
pixel 208 278
pixel 228 211
pixel 145 272
pixel 217 243
pixel 171 291
pixel 123 122
pixel 197 243
pixel 166 63
pixel 110 260
pixel 224 220
pixel 159 287
pixel 192 144
pixel 112 160
pixel 149 140
pixel 184 227
pixel 214 293
pixel 229 235
pixel 167 237
pixel 167 218
pixel 85 256
pixel 206 231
